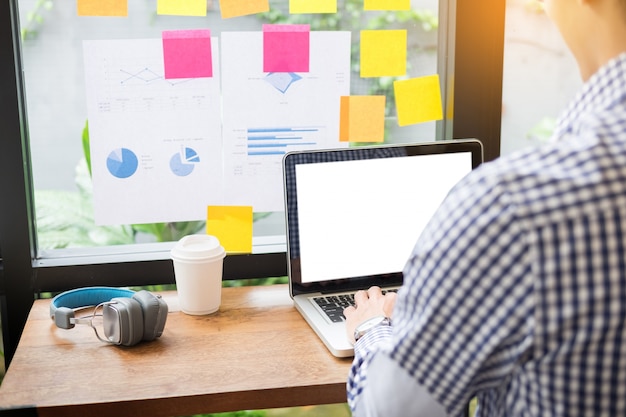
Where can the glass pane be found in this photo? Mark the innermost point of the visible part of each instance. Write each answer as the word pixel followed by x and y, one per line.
pixel 55 44
pixel 539 76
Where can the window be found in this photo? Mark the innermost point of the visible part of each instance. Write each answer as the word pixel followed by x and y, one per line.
pixel 539 76
pixel 43 79
pixel 68 57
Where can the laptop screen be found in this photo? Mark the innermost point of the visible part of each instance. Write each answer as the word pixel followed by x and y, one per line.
pixel 354 214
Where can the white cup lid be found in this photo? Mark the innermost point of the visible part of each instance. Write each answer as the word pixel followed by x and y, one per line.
pixel 198 247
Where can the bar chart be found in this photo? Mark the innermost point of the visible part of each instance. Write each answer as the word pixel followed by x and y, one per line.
pixel 280 140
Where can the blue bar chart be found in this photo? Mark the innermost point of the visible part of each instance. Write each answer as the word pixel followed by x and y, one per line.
pixel 280 140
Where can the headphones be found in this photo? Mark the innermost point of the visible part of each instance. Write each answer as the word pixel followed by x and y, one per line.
pixel 129 317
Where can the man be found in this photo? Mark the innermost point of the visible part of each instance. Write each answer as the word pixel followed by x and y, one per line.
pixel 516 291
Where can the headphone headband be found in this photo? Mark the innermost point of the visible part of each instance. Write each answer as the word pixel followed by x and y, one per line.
pixel 85 297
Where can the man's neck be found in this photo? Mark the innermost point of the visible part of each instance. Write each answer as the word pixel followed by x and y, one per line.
pixel 606 40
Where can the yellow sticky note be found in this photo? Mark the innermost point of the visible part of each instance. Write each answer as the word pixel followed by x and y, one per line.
pixel 362 119
pixel 182 7
pixel 235 8
pixel 102 7
pixel 312 6
pixel 383 53
pixel 387 5
pixel 418 100
pixel 232 225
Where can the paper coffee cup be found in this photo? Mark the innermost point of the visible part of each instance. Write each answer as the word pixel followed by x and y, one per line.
pixel 198 266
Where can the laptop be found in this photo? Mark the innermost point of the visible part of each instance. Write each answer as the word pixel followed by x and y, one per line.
pixel 353 216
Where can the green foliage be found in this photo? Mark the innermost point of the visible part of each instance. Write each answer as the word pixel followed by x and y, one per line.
pixel 35 19
pixel 472 406
pixel 86 148
pixel 227 283
pixel 425 19
pixel 168 232
pixel 543 130
pixel 534 6
pixel 255 281
pixel 235 414
pixel 65 218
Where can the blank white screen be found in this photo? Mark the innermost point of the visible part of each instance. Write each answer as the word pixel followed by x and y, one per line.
pixel 363 217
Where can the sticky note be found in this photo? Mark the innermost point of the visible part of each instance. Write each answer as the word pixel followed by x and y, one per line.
pixel 187 53
pixel 362 119
pixel 235 8
pixel 387 5
pixel 232 225
pixel 102 7
pixel 182 7
pixel 312 6
pixel 383 53
pixel 286 48
pixel 418 100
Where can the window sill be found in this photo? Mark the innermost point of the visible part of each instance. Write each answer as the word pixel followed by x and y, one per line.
pixel 136 253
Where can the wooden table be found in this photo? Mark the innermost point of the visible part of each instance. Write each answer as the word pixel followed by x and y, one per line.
pixel 255 353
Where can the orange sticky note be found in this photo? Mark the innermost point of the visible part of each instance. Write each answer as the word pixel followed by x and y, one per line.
pixel 312 6
pixel 387 5
pixel 383 53
pixel 418 100
pixel 232 225
pixel 102 7
pixel 235 8
pixel 182 7
pixel 362 119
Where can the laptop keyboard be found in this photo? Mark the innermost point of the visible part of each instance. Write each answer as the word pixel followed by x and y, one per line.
pixel 333 305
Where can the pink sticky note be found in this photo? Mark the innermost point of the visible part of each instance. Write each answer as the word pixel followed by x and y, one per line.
pixel 187 53
pixel 286 48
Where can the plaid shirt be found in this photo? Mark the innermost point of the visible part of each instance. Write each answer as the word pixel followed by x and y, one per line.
pixel 516 291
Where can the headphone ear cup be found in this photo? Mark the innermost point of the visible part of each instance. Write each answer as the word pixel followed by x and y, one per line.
pixel 62 317
pixel 154 314
pixel 130 320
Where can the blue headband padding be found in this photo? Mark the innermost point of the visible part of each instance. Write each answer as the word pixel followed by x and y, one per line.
pixel 85 297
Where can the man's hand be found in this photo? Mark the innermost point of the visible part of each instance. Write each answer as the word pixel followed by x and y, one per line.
pixel 370 303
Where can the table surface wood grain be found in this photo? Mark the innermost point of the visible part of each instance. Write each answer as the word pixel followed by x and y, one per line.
pixel 256 352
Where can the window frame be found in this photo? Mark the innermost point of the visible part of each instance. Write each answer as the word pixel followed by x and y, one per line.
pixel 470 57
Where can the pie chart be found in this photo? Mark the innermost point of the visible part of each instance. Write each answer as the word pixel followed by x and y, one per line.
pixel 183 163
pixel 122 163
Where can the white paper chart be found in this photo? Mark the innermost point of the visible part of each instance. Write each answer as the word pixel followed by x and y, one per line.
pixel 156 148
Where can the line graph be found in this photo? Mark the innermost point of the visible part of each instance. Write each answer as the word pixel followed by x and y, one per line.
pixel 148 76
pixel 133 88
